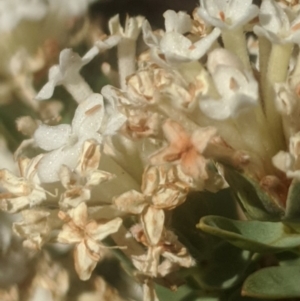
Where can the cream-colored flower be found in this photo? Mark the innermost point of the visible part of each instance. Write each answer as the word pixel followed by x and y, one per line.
pixel 173 45
pixel 277 24
pixel 161 190
pixel 64 142
pixel 37 227
pixel 227 14
pixel 289 162
pixel 24 191
pixel 87 235
pixel 167 256
pixel 237 87
pixel 185 149
pixel 78 183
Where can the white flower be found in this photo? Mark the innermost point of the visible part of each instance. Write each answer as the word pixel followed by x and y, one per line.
pixel 67 74
pixel 289 162
pixel 79 182
pixel 237 87
pixel 277 24
pixel 65 141
pixel 227 14
pixel 131 30
pixel 173 44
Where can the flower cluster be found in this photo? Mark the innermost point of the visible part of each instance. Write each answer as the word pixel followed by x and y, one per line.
pixel 192 113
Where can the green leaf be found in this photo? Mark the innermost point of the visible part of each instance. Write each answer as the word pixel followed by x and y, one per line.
pixel 293 202
pixel 223 267
pixel 220 265
pixel 184 293
pixel 236 296
pixel 256 202
pixel 256 236
pixel 273 283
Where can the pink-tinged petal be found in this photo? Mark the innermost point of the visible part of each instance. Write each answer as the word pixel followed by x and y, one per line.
pixel 132 202
pixel 52 137
pixel 202 137
pixel 165 155
pixel 88 116
pixel 84 264
pixel 176 134
pixel 100 231
pixel 194 165
pixel 153 223
pixel 69 235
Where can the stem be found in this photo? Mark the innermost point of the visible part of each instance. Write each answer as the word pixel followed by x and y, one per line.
pixel 235 41
pixel 79 89
pixel 295 78
pixel 126 57
pixel 264 53
pixel 276 73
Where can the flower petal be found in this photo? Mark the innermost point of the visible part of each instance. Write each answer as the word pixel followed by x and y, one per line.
pixel 52 137
pixel 100 231
pixel 179 22
pixel 153 223
pixel 132 201
pixel 49 166
pixel 88 116
pixel 84 264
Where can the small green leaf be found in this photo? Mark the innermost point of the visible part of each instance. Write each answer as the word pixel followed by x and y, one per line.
pixel 256 202
pixel 273 283
pixel 237 296
pixel 293 202
pixel 256 236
